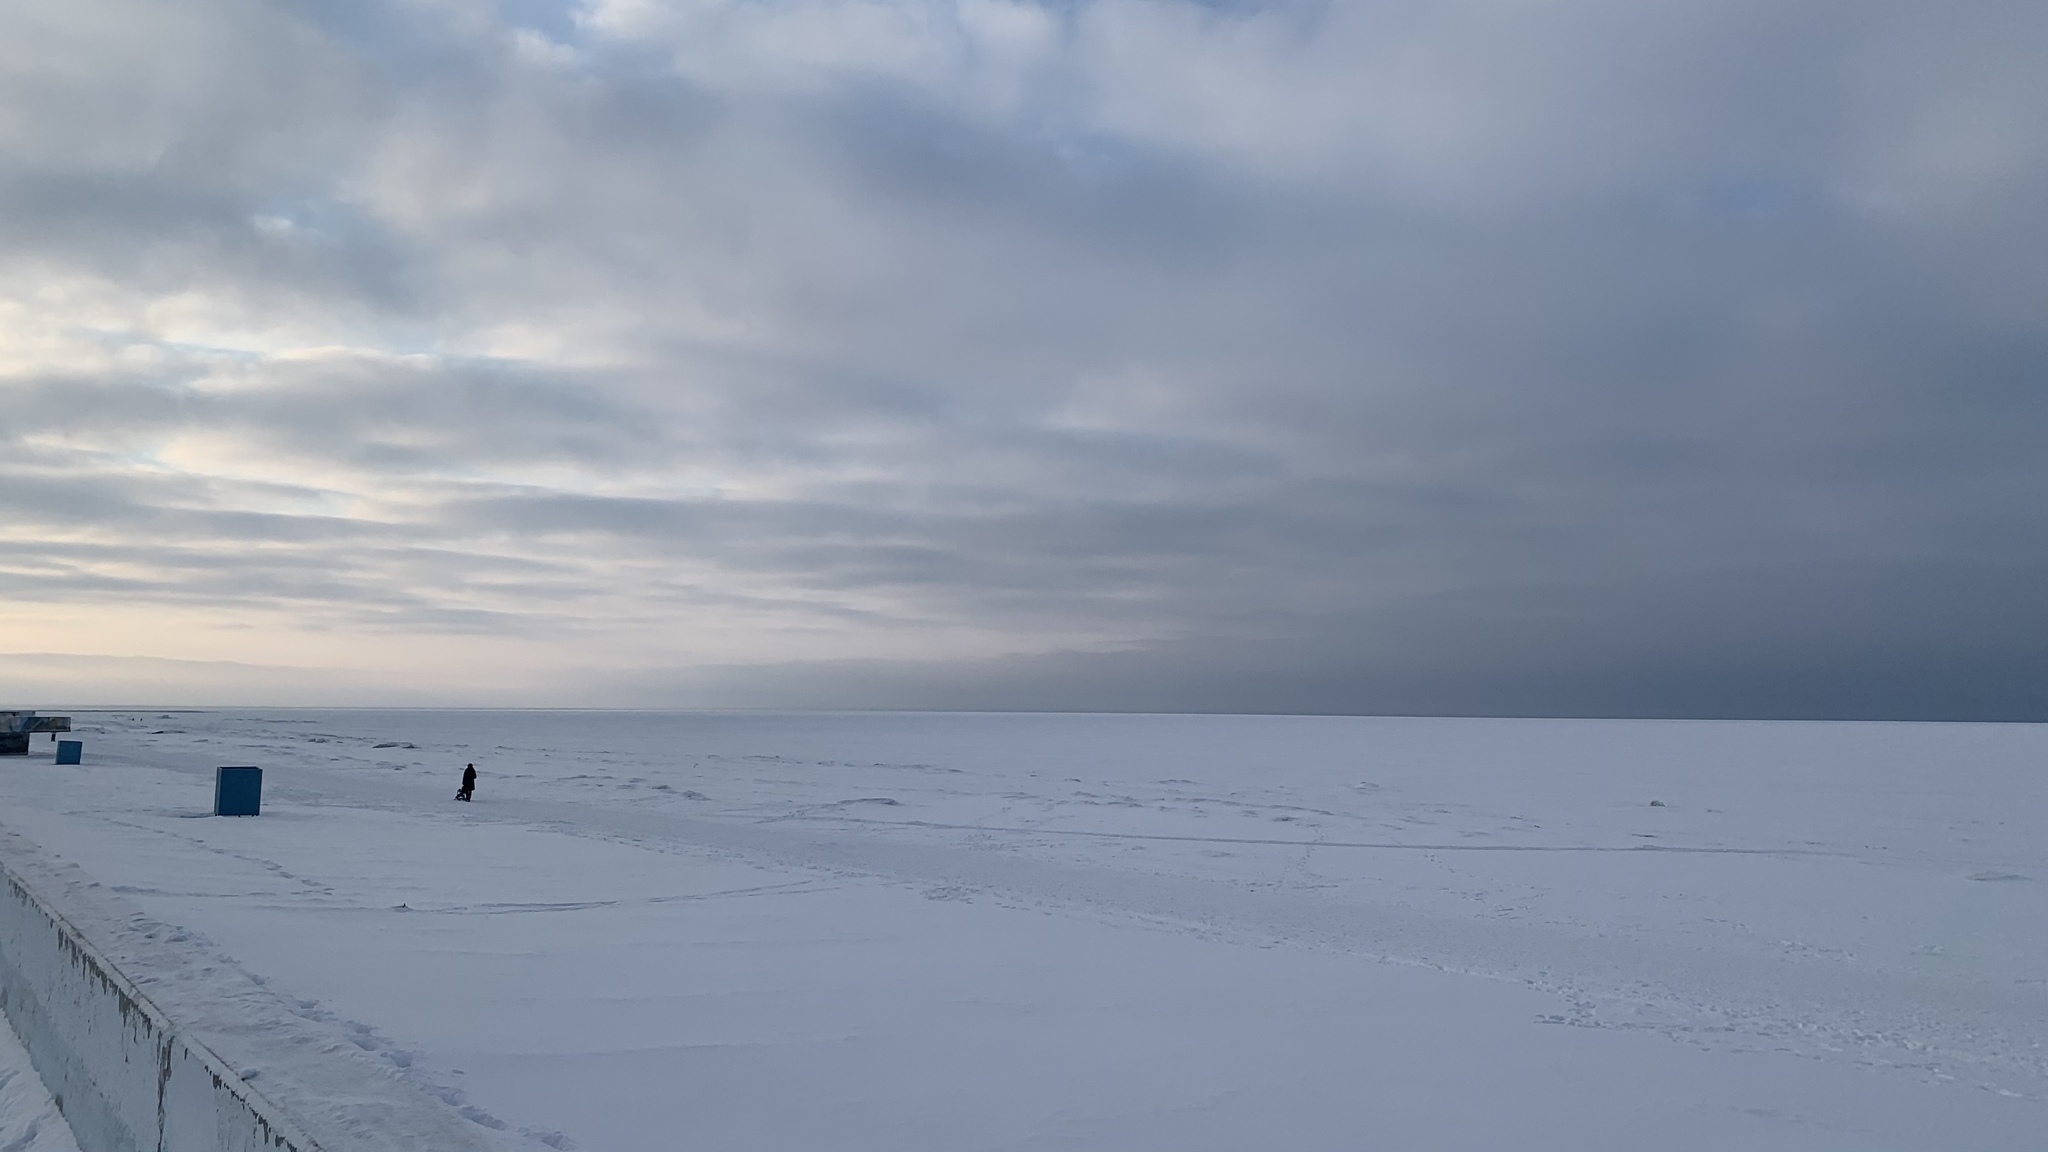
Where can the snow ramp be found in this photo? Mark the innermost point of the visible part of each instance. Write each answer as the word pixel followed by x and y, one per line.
pixel 125 1077
pixel 131 1076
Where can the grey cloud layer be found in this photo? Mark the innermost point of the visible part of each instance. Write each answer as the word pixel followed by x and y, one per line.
pixel 1457 356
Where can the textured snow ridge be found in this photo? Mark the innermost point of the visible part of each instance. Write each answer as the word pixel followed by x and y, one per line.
pixel 121 1073
pixel 320 1089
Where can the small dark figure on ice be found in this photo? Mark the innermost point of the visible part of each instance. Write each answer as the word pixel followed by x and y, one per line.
pixel 468 783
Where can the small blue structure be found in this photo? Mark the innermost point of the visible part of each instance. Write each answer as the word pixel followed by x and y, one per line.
pixel 237 791
pixel 70 751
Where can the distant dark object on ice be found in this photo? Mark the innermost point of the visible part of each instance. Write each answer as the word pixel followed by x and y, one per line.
pixel 1656 804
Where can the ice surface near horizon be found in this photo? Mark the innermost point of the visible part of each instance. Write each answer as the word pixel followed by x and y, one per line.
pixel 945 930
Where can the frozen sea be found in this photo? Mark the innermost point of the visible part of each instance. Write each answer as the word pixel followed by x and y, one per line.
pixel 664 931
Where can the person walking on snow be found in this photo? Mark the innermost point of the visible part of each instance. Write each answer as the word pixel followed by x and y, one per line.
pixel 468 783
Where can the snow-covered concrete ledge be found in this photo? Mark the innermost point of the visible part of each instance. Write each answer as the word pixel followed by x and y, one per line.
pixel 125 1077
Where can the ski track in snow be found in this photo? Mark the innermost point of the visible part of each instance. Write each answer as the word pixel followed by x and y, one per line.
pixel 1853 913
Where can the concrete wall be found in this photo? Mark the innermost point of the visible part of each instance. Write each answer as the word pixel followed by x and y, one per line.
pixel 124 1077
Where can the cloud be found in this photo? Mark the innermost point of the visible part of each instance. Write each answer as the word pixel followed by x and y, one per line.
pixel 1673 358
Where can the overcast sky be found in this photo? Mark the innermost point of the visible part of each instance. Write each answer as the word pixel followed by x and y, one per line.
pixel 1586 357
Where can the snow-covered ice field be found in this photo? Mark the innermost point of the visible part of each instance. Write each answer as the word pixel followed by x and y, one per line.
pixel 660 931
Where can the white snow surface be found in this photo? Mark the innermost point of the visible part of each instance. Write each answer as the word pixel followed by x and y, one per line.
pixel 662 931
pixel 29 1120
